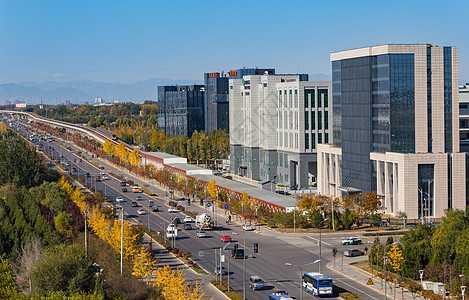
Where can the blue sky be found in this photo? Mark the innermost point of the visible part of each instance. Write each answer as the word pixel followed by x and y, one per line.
pixel 126 41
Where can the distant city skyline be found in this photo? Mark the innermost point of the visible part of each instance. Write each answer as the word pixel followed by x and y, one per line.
pixel 126 42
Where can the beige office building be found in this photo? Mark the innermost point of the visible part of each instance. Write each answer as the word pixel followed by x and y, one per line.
pixel 396 129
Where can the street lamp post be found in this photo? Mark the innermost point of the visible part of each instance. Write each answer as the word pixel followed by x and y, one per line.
pixel 320 242
pixel 301 274
pixel 244 262
pixel 421 204
pixel 122 237
pixel 429 200
pixel 421 277
pixel 385 262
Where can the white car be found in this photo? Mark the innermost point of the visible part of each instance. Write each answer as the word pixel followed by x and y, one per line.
pixel 119 199
pixel 247 227
pixel 188 219
pixel 141 211
pixel 172 210
pixel 201 234
pixel 171 227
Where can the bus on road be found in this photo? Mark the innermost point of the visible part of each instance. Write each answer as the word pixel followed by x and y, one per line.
pixel 317 284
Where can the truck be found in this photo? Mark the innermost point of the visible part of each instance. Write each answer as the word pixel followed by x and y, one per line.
pixel 203 221
pixel 171 233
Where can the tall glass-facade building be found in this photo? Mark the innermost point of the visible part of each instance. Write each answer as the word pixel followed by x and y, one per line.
pixel 180 109
pixel 395 128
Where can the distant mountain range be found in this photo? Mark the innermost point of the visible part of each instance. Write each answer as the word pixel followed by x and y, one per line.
pixel 82 91
pixel 85 91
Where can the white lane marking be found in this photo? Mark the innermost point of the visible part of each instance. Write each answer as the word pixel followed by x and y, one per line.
pixel 317 240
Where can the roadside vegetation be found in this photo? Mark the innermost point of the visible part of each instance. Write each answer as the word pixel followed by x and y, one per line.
pixel 43 254
pixel 442 252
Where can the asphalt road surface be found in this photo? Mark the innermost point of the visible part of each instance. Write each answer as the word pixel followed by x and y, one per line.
pixel 275 249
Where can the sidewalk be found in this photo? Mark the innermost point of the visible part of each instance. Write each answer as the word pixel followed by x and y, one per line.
pixel 358 275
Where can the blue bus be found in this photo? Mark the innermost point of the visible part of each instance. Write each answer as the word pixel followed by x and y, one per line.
pixel 279 295
pixel 318 284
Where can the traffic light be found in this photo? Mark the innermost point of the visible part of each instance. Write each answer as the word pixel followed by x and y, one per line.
pixel 256 248
pixel 188 201
pixel 201 202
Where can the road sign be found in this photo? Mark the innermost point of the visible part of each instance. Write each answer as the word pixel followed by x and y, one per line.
pixel 226 206
pixel 369 282
pixel 208 204
pixel 222 258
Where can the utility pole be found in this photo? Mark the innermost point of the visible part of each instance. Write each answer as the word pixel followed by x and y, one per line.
pixel 122 237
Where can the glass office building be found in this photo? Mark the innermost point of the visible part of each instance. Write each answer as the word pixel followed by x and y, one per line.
pixel 180 109
pixel 395 120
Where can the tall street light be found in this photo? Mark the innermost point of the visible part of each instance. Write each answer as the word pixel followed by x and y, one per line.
pixel 320 242
pixel 301 274
pixel 244 262
pixel 122 237
pixel 385 263
pixel 421 205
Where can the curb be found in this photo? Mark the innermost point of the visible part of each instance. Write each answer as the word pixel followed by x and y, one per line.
pixel 220 291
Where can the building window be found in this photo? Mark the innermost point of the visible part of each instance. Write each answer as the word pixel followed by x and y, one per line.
pixel 326 120
pixel 326 138
pixel 313 140
pixel 307 141
pixel 308 92
pixel 319 120
pixel 265 84
pixel 313 120
pixel 319 138
pixel 322 92
pixel 231 87
pixel 306 120
pixel 248 93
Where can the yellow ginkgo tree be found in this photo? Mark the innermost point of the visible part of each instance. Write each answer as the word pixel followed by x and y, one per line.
pixel 134 157
pixel 395 258
pixel 109 147
pixel 143 264
pixel 130 238
pixel 212 189
pixel 99 223
pixel 172 283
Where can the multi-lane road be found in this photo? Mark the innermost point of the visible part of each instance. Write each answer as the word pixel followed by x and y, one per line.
pixel 275 249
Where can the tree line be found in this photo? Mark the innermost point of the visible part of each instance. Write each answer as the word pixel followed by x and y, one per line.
pixel 440 252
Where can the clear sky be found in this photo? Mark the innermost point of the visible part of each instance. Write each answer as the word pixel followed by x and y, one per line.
pixel 126 41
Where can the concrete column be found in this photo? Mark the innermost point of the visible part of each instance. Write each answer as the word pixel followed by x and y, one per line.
pixel 338 177
pixel 387 188
pixel 379 182
pixel 395 190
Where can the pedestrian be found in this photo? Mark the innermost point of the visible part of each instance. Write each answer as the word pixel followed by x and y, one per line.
pixel 366 250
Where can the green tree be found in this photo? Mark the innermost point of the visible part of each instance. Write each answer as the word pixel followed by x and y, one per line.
pixel 444 241
pixel 63 268
pixel 8 288
pixel 416 250
pixel 19 164
pixel 64 223
pixel 348 218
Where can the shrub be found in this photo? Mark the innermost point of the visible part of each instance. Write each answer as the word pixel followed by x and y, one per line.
pixel 180 253
pixel 175 250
